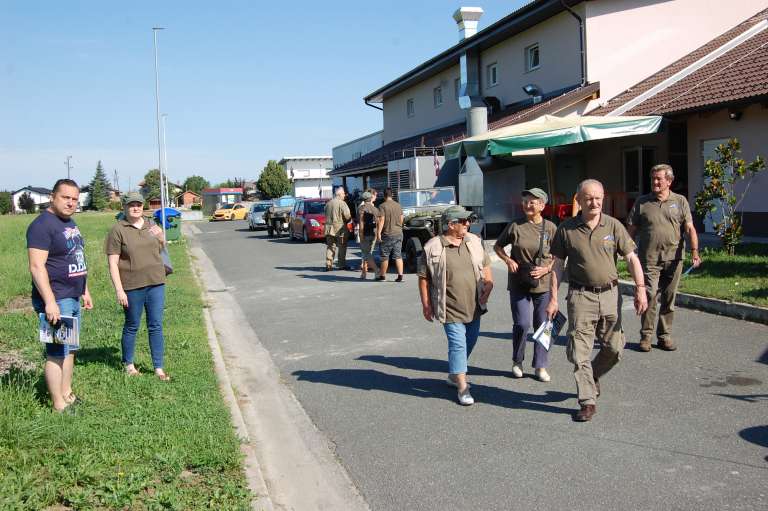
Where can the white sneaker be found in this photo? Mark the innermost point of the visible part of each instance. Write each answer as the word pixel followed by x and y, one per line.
pixel 517 371
pixel 452 383
pixel 542 375
pixel 465 398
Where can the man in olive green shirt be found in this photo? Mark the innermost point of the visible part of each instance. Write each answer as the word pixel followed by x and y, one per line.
pixel 389 234
pixel 591 242
pixel 658 222
pixel 336 233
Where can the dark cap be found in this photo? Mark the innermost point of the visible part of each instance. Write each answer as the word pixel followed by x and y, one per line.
pixel 455 213
pixel 538 193
pixel 133 197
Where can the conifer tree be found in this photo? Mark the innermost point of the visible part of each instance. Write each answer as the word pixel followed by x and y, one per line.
pixel 98 197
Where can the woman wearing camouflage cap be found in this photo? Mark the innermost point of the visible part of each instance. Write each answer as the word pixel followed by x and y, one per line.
pixel 529 264
pixel 136 267
pixel 455 282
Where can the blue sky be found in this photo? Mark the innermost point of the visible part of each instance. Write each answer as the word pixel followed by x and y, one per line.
pixel 241 82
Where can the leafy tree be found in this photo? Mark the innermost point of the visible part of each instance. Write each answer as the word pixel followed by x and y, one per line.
pixel 27 203
pixel 98 197
pixel 196 184
pixel 273 181
pixel 6 202
pixel 151 188
pixel 236 182
pixel 719 196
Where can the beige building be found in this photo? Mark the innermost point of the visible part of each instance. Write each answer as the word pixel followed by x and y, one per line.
pixel 575 57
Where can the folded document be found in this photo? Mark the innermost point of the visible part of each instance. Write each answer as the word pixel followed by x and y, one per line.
pixel 549 330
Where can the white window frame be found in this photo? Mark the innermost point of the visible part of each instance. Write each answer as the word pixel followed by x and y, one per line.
pixel 410 107
pixel 492 74
pixel 529 60
pixel 437 96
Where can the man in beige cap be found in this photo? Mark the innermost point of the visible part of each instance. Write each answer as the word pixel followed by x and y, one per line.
pixel 336 233
pixel 591 242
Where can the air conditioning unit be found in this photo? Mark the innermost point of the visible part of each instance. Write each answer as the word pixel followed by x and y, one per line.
pixel 493 103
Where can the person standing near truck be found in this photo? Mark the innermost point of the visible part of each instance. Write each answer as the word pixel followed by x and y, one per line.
pixel 336 233
pixel 390 235
pixel 367 220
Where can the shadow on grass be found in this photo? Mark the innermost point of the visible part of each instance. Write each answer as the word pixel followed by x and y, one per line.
pixel 731 269
pixel 761 293
pixel 25 377
pixel 105 355
pixel 431 388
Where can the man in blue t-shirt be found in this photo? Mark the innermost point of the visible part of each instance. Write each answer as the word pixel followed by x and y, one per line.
pixel 57 263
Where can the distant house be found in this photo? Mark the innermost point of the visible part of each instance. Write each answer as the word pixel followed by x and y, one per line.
pixel 187 199
pixel 309 175
pixel 41 196
pixel 85 195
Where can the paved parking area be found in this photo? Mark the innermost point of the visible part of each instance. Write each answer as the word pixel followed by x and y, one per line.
pixel 681 430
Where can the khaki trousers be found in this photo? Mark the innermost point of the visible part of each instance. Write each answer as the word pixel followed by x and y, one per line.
pixel 593 315
pixel 331 243
pixel 661 281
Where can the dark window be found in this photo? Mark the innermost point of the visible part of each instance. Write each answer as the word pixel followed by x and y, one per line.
pixel 315 208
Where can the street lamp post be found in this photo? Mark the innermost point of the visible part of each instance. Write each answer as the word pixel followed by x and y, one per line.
pixel 69 166
pixel 159 142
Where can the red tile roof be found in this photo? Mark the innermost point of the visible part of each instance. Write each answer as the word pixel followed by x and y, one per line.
pixel 737 75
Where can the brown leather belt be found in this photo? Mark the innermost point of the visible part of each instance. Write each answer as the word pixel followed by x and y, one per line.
pixel 595 289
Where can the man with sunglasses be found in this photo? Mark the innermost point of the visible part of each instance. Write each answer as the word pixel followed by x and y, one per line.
pixel 455 282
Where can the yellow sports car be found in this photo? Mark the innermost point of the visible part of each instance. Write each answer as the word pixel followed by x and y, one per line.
pixel 230 212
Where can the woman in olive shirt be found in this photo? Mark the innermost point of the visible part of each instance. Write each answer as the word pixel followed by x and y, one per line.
pixel 133 251
pixel 529 278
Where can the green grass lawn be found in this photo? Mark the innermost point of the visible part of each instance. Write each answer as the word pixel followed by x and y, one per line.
pixel 134 443
pixel 740 278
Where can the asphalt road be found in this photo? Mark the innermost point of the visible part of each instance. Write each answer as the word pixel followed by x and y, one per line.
pixel 686 430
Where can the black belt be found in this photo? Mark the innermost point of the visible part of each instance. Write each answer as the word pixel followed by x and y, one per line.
pixel 595 289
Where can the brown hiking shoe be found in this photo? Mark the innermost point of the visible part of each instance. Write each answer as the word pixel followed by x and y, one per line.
pixel 645 345
pixel 666 345
pixel 585 414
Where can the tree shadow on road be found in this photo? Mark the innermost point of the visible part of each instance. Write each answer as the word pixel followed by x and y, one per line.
pixel 431 388
pixel 330 277
pixel 427 365
pixel 560 340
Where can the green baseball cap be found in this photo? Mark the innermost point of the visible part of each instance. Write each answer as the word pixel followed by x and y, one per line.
pixel 367 196
pixel 455 213
pixel 133 197
pixel 538 193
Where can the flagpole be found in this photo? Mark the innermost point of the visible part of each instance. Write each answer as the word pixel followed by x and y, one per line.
pixel 159 142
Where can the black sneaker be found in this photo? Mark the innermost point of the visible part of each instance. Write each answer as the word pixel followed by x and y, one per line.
pixel 399 278
pixel 381 277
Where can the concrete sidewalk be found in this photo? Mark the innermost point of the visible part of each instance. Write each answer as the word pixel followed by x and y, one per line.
pixel 290 465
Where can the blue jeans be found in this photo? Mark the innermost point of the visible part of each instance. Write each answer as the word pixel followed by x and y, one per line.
pixel 528 310
pixel 68 307
pixel 462 338
pixel 151 299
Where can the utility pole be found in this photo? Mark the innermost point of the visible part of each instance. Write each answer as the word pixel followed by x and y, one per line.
pixel 159 142
pixel 116 182
pixel 69 166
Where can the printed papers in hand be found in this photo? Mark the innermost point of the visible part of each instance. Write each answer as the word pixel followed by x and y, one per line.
pixel 66 331
pixel 549 329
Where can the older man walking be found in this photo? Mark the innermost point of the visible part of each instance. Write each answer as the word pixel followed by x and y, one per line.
pixel 590 243
pixel 658 222
pixel 336 233
pixel 455 281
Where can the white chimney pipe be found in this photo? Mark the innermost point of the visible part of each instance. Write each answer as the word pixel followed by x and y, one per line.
pixel 467 18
